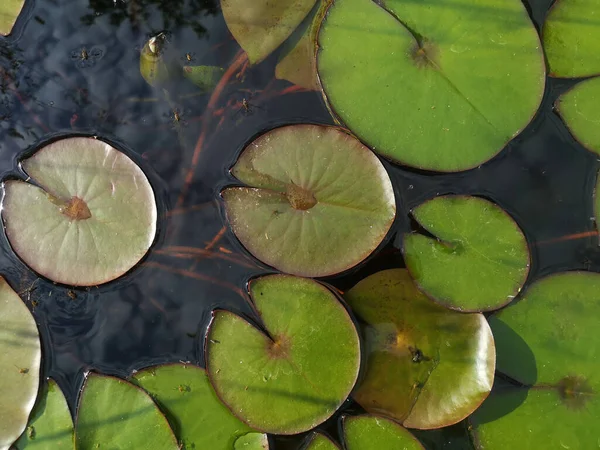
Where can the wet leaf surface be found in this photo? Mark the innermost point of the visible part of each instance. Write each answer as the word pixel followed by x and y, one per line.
pixel 562 365
pixel 184 394
pixel 115 414
pixel 9 11
pixel 427 366
pixel 260 26
pixel 296 376
pixel 376 433
pixel 50 425
pixel 312 190
pixel 480 259
pixel 20 358
pixel 90 218
pixel 252 441
pixel 579 108
pixel 432 85
pixel 571 36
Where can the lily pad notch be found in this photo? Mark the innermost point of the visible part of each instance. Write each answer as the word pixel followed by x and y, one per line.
pixel 310 191
pixel 89 219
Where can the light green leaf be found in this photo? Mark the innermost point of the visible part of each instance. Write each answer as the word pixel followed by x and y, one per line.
pixel 205 77
pixel 318 441
pixel 377 433
pixel 9 11
pixel 252 441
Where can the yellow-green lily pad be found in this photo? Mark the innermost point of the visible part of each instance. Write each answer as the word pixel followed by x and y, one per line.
pixel 185 396
pixel 426 366
pixel 430 84
pixel 557 356
pixel 118 415
pixel 571 36
pixel 579 108
pixel 377 433
pixel 90 216
pixel 50 425
pixel 318 441
pixel 20 357
pixel 252 441
pixel 260 26
pixel 9 11
pixel 478 260
pixel 318 202
pixel 297 370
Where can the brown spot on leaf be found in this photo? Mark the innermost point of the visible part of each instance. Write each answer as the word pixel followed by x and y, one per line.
pixel 279 348
pixel 76 209
pixel 424 54
pixel 300 198
pixel 574 391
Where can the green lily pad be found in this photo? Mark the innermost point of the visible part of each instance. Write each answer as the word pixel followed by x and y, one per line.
pixel 572 38
pixel 427 366
pixel 186 397
pixel 260 26
pixel 563 346
pixel 205 77
pixel 318 441
pixel 20 357
pixel 252 441
pixel 377 433
pixel 92 218
pixel 298 371
pixel 153 66
pixel 117 415
pixel 429 84
pixel 480 259
pixel 579 108
pixel 9 11
pixel 313 191
pixel 298 63
pixel 50 425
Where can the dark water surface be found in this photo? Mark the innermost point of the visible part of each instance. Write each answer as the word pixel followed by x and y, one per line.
pixel 159 312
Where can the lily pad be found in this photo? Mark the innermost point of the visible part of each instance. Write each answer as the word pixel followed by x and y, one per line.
pixel 579 108
pixel 318 441
pixel 427 366
pixel 432 85
pixel 377 433
pixel 298 63
pixel 205 77
pixel 260 26
pixel 9 11
pixel 252 441
pixel 115 414
pixel 50 425
pixel 19 365
pixel 153 66
pixel 572 38
pixel 186 397
pixel 562 406
pixel 480 259
pixel 298 371
pixel 319 201
pixel 90 218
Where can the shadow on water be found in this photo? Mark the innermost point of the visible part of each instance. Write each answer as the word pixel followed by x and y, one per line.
pixel 159 312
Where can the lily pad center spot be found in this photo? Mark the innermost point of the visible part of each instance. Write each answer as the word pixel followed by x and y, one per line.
pixel 280 347
pixel 574 391
pixel 301 199
pixel 424 54
pixel 76 209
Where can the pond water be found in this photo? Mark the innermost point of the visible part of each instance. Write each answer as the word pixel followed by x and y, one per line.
pixel 160 310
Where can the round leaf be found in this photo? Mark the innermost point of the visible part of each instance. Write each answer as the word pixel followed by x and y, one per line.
pixel 579 108
pixel 185 395
pixel 90 221
pixel 313 190
pixel 115 414
pixel 427 366
pixel 480 259
pixel 572 38
pixel 298 372
pixel 252 441
pixel 377 433
pixel 559 356
pixel 260 26
pixel 20 356
pixel 50 425
pixel 429 84
pixel 9 11
pixel 205 77
pixel 318 441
